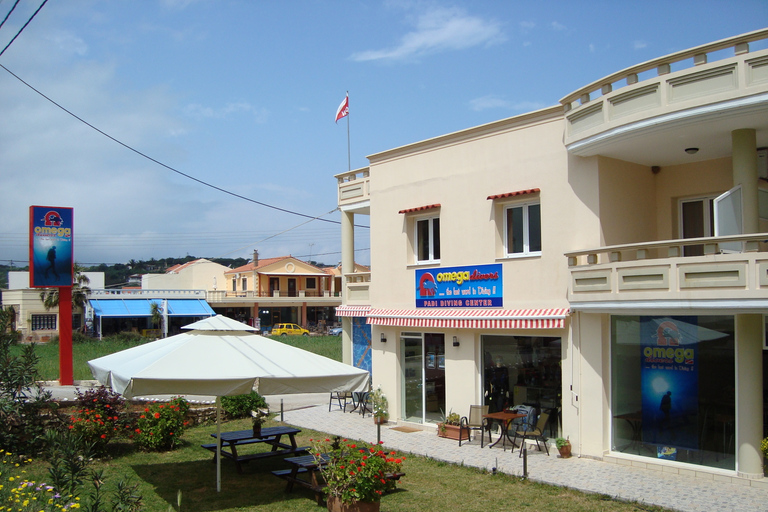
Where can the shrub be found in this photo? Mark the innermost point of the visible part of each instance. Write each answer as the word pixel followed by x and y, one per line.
pixel 356 473
pixel 240 406
pixel 26 410
pixel 19 494
pixel 99 418
pixel 160 426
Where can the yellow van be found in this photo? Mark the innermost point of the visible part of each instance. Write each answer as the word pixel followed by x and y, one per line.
pixel 286 329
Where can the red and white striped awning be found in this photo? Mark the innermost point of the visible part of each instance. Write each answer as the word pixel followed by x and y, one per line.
pixel 352 310
pixel 471 318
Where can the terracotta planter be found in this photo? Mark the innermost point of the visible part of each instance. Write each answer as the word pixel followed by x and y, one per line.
pixel 336 505
pixel 452 432
pixel 565 451
pixel 379 421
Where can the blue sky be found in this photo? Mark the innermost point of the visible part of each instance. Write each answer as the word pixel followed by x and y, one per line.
pixel 242 95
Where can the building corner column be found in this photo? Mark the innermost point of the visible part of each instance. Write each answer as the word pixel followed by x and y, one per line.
pixel 347 267
pixel 744 160
pixel 749 395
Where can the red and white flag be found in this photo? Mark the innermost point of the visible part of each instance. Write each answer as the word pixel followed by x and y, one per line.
pixel 343 110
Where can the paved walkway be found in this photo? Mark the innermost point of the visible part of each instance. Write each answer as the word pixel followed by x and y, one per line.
pixel 673 491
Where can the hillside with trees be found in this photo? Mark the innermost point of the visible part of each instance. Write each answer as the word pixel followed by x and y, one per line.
pixel 118 275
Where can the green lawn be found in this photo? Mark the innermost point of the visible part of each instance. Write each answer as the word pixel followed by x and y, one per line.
pixel 429 485
pixel 329 346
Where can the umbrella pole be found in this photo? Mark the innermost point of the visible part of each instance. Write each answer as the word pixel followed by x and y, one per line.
pixel 218 444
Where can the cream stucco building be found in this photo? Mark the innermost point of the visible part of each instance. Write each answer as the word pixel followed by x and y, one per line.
pixel 603 259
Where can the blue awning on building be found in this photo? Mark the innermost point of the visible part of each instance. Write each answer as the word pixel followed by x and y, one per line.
pixel 142 307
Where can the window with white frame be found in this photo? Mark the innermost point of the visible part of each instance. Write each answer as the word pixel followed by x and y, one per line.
pixel 427 239
pixel 311 283
pixel 245 283
pixel 43 322
pixel 522 229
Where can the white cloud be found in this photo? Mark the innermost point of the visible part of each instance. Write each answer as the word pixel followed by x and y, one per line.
pixel 557 26
pixel 438 30
pixel 69 43
pixel 591 48
pixel 487 102
pixel 639 45
pixel 492 101
pixel 202 112
pixel 527 26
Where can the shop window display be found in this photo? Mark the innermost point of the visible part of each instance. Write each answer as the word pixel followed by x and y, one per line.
pixel 522 370
pixel 673 388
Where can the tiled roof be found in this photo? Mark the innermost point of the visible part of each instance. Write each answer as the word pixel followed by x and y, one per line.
pixel 420 208
pixel 516 193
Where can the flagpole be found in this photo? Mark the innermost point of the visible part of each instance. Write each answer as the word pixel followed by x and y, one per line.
pixel 349 150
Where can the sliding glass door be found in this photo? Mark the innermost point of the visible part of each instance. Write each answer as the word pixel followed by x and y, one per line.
pixel 423 377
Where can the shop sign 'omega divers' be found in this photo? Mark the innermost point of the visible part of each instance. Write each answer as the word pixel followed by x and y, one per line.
pixel 478 286
pixel 50 246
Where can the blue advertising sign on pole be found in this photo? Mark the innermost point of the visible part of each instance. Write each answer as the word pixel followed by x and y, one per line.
pixel 670 382
pixel 50 246
pixel 478 286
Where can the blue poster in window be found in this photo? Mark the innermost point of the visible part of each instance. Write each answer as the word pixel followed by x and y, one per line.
pixel 478 286
pixel 361 343
pixel 670 382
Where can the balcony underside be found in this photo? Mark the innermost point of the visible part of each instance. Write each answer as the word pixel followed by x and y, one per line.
pixel 714 281
pixel 652 121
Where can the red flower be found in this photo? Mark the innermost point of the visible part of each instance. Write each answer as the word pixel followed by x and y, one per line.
pixel 103 436
pixel 71 427
pixel 157 414
pixel 138 431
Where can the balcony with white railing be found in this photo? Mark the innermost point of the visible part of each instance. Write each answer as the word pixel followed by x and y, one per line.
pixel 354 189
pixel 731 268
pixel 705 84
pixel 137 293
pixel 357 288
pixel 275 297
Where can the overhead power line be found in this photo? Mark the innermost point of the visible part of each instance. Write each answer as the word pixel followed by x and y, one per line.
pixel 158 162
pixel 22 28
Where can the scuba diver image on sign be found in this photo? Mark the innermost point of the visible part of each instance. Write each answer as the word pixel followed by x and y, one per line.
pixel 52 260
pixel 669 349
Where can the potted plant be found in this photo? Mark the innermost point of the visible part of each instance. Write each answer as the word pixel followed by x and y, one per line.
pixel 259 417
pixel 356 476
pixel 563 446
pixel 450 427
pixel 380 406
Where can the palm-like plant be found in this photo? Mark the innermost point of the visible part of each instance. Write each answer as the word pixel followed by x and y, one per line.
pixel 156 315
pixel 80 291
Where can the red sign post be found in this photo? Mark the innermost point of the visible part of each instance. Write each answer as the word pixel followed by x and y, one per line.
pixel 51 266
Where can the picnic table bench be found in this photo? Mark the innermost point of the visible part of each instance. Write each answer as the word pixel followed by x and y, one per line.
pixel 269 435
pixel 308 465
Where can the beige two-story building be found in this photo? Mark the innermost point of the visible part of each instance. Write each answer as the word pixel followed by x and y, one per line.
pixel 603 260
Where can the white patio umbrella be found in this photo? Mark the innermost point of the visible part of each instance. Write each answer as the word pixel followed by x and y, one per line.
pixel 222 357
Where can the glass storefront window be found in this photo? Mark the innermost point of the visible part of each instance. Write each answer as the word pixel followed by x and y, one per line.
pixel 673 388
pixel 523 370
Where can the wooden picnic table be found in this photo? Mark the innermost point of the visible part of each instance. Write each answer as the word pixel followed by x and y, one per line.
pixel 269 435
pixel 310 466
pixel 303 465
